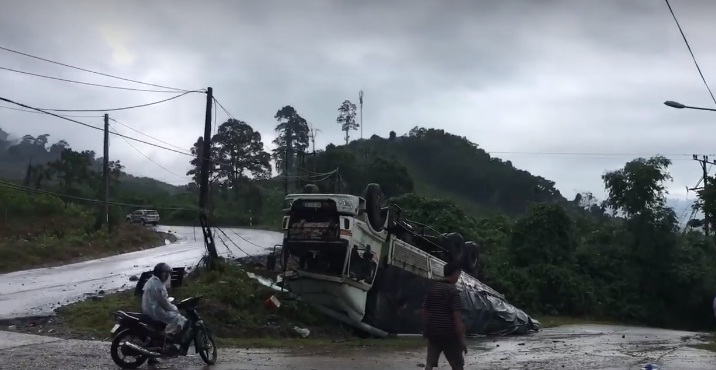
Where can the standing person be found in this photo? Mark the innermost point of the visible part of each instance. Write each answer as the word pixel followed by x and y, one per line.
pixel 442 321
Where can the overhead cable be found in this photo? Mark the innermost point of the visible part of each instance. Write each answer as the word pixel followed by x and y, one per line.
pixel 142 133
pixel 121 108
pixel 146 156
pixel 86 83
pixel 688 46
pixel 93 127
pixel 90 71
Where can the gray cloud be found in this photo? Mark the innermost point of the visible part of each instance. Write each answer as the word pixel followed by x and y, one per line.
pixel 517 76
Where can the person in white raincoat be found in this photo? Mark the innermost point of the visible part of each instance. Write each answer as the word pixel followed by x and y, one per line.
pixel 155 300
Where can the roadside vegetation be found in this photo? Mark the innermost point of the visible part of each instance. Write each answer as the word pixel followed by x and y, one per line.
pixel 41 231
pixel 621 260
pixel 234 309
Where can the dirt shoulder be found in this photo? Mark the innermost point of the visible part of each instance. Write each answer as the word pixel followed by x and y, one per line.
pixel 60 241
pixel 58 327
pixel 601 347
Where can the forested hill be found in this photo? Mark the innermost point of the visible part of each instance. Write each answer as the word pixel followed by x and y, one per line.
pixel 16 156
pixel 429 162
pixel 441 165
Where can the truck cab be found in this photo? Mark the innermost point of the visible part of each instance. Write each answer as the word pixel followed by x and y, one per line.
pixel 330 250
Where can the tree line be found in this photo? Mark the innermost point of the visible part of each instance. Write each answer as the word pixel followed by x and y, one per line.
pixel 624 258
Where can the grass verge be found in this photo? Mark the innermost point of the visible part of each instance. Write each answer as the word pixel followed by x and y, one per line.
pixel 709 342
pixel 711 346
pixel 61 240
pixel 233 308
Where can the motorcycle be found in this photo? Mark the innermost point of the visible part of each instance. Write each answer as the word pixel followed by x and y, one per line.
pixel 138 336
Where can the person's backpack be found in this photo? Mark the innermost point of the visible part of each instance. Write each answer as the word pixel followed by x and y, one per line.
pixel 139 289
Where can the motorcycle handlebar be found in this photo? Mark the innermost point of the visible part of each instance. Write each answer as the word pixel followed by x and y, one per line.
pixel 190 301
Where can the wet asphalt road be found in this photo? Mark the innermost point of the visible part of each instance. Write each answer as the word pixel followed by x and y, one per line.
pixel 40 291
pixel 570 347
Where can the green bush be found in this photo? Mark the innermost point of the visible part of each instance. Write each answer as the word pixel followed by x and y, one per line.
pixel 542 262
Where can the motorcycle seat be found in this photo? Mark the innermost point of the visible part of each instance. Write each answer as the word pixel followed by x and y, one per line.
pixel 147 320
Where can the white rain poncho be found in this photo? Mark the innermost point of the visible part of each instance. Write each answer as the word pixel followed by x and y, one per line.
pixel 155 304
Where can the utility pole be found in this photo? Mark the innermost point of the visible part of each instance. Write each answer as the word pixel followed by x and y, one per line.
pixel 313 133
pixel 703 161
pixel 360 101
pixel 299 164
pixel 287 160
pixel 105 169
pixel 204 180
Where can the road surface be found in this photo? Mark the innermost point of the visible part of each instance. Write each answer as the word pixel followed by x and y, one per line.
pixel 570 347
pixel 39 291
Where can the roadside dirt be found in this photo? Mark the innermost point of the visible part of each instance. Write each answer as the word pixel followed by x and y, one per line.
pixel 47 326
pixel 593 347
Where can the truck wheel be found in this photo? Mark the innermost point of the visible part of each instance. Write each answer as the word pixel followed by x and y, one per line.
pixel 470 257
pixel 311 189
pixel 454 243
pixel 373 203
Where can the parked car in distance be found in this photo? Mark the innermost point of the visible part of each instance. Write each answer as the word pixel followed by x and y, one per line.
pixel 143 216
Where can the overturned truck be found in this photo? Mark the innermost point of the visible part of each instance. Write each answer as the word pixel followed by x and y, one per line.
pixel 363 263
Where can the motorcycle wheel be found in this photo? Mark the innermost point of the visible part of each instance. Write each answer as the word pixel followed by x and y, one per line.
pixel 116 351
pixel 206 346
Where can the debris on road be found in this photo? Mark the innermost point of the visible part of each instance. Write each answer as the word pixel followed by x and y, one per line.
pixel 303 332
pixel 272 303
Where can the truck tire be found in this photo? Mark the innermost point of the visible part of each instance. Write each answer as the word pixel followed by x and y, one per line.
pixel 470 257
pixel 454 243
pixel 311 189
pixel 373 203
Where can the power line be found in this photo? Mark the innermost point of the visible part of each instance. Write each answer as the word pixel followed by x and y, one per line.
pixel 141 133
pixel 233 242
pixel 632 155
pixel 122 108
pixel 231 253
pixel 308 178
pixel 681 217
pixel 113 133
pixel 574 154
pixel 146 156
pixel 86 83
pixel 51 193
pixel 224 109
pixel 94 127
pixel 594 154
pixel 63 115
pixel 90 71
pixel 686 41
pixel 214 129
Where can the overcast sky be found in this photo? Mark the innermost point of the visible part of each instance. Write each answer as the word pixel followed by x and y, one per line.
pixel 579 76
